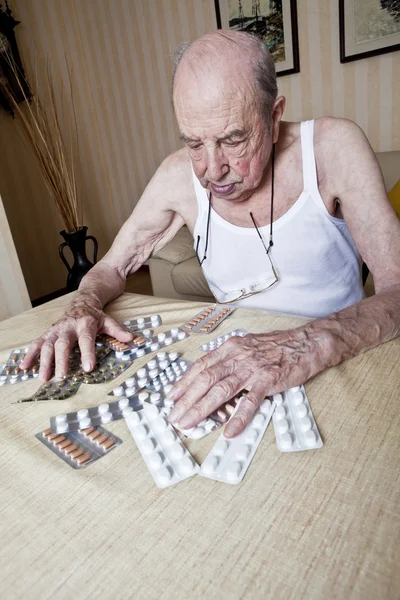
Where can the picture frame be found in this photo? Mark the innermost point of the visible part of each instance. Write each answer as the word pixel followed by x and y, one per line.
pixel 368 28
pixel 274 22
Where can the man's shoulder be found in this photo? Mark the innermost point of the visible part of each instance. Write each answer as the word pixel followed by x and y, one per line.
pixel 177 166
pixel 333 131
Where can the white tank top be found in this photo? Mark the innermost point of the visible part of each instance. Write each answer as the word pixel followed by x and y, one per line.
pixel 314 257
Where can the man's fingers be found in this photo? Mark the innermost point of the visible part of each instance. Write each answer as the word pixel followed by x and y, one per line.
pixel 62 352
pixel 245 411
pixel 86 341
pixel 46 358
pixel 223 391
pixel 33 351
pixel 202 384
pixel 111 327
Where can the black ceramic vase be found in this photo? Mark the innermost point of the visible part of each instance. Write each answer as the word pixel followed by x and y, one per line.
pixel 76 242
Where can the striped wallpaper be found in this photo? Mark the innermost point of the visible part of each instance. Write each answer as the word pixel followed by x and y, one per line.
pixel 119 53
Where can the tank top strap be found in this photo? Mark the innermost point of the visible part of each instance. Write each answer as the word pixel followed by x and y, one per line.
pixel 310 181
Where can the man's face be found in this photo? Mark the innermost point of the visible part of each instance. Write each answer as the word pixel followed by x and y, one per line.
pixel 224 133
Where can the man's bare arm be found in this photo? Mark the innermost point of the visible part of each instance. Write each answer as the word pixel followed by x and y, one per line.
pixel 266 364
pixel 153 223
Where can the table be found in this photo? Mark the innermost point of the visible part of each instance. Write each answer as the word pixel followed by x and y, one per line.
pixel 317 524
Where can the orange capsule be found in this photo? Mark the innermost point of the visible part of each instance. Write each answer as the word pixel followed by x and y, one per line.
pixel 70 449
pixel 77 453
pixel 102 439
pixel 87 431
pixel 108 444
pixel 64 444
pixel 83 459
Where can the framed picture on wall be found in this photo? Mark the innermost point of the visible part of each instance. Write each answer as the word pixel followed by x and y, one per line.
pixel 368 28
pixel 273 21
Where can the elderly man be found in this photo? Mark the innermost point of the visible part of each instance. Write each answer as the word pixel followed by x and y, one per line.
pixel 281 214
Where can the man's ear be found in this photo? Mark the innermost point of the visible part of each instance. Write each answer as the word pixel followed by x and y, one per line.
pixel 277 114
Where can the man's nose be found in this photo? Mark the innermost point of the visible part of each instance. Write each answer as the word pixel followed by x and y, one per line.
pixel 217 164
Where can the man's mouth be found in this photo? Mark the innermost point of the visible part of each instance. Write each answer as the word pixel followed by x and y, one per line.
pixel 222 190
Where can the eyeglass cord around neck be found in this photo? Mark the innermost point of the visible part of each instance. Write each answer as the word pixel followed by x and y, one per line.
pixel 271 243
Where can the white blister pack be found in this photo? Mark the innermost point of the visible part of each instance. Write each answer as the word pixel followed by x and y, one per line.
pixel 217 342
pixel 143 323
pixel 171 373
pixel 167 459
pixel 294 424
pixel 230 458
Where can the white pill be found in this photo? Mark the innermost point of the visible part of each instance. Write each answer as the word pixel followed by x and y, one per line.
pixel 243 452
pixel 181 335
pixel 151 410
pixel 265 407
pixel 153 373
pixel 173 356
pixel 174 331
pixel 164 475
pixel 130 392
pixel 282 426
pixel 143 396
pixel 210 465
pixel 63 418
pixel 141 432
pixel 251 436
pixel 167 388
pixel 286 440
pixel 126 323
pixel 140 352
pixel 168 341
pixel 278 399
pixel 155 398
pixel 106 417
pixel 186 465
pixel 123 403
pixel 134 417
pixel 209 425
pixel 118 391
pixel 140 320
pixel 154 346
pixel 3 377
pixel 161 355
pixel 86 422
pixel 168 438
pixel 233 471
pixel 147 446
pixel 119 354
pixel 280 413
pixel 197 433
pixel 154 318
pixel 103 408
pixel 152 364
pixel 297 398
pixel 168 402
pixel 258 421
pixel 221 447
pixel 296 388
pixel 146 332
pixel 204 347
pixel 130 382
pixel 161 337
pixel 163 364
pixel 184 367
pixel 176 368
pixel 301 411
pixel 142 372
pixel 142 382
pixel 310 437
pixel 177 451
pixel 160 424
pixel 156 460
pixel 305 424
pixel 62 427
pixel 157 386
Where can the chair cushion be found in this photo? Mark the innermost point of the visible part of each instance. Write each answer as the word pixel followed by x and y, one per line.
pixel 187 278
pixel 394 197
pixel 178 249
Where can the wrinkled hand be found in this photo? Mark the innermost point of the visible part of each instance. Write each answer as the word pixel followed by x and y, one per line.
pixel 263 364
pixel 81 322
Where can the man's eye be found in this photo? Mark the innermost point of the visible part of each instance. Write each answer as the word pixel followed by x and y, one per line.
pixel 234 143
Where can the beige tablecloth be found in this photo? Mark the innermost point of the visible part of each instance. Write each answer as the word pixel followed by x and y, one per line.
pixel 315 524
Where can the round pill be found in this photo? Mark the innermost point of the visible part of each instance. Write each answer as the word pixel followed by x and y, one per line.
pixel 130 382
pixel 161 337
pixel 243 452
pixel 286 441
pixel 233 471
pixel 141 432
pixel 280 413
pixel 62 427
pixel 143 396
pixel 168 402
pixel 265 407
pixel 155 398
pixel 61 418
pixel 210 465
pixel 103 408
pixel 130 392
pixel 156 460
pixel 298 398
pixel 164 475
pixel 151 410
pixel 168 388
pixel 140 352
pixel 160 424
pixel 153 373
pixel 168 341
pixel 118 391
pixel 123 403
pixel 154 346
pixel 85 423
pixel 310 437
pixel 142 372
pixel 305 423
pixel 106 417
pixel 173 355
pixel 221 447
pixel 278 399
pixel 128 411
pixel 204 347
pixel 157 386
pixel 197 433
pixel 148 445
pixel 146 332
pixel 186 465
pixel 168 438
pixel 251 436
pixel 154 318
pixel 161 355
pixel 152 364
pixel 258 421
pixel 177 451
pixel 142 382
pixel 282 426
pixel 174 331
pixel 140 321
pixel 126 323
pixel 184 367
pixel 181 335
pixel 301 410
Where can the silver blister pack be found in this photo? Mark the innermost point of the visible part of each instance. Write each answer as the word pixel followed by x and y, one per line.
pixel 143 323
pixel 217 342
pixel 161 340
pixel 208 319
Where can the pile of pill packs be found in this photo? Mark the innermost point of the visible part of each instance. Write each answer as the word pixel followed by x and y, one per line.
pixel 79 437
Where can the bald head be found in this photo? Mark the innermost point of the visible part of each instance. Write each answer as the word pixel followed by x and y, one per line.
pixel 227 59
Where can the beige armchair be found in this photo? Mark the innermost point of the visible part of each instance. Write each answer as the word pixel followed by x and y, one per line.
pixel 175 271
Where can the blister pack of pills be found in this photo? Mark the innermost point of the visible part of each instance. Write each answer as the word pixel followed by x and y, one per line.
pixel 169 375
pixel 80 448
pixel 97 415
pixel 165 406
pixel 217 342
pixel 166 458
pixel 156 342
pixel 208 319
pixel 143 323
pixel 224 412
pixel 59 388
pixel 294 424
pixel 12 373
pixel 145 376
pixel 108 369
pixel 139 339
pixel 230 458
